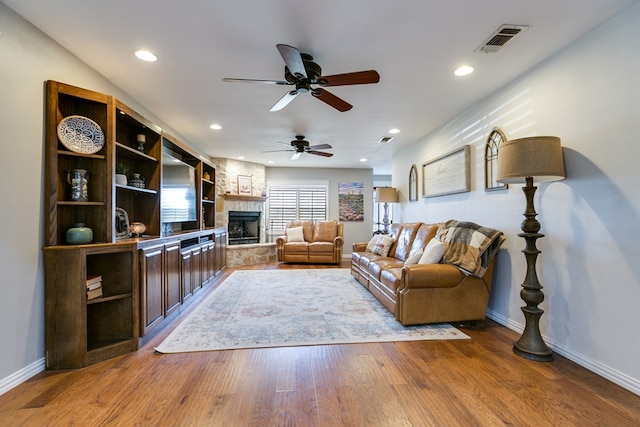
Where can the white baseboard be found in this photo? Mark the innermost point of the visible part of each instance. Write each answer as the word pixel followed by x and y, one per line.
pixel 619 378
pixel 21 376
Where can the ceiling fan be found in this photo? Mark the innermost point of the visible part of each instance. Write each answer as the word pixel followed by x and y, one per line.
pixel 300 146
pixel 300 71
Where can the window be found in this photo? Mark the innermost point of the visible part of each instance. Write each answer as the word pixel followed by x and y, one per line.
pixel 496 137
pixel 287 203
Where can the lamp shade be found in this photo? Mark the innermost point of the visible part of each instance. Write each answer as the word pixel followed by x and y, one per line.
pixel 386 195
pixel 538 157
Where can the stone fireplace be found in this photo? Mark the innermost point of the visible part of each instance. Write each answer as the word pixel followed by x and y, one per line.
pixel 243 227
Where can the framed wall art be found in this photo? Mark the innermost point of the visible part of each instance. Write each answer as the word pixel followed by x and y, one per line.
pixel 447 174
pixel 244 185
pixel 413 184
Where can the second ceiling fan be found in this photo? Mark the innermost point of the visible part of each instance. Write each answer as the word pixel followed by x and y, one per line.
pixel 299 146
pixel 300 71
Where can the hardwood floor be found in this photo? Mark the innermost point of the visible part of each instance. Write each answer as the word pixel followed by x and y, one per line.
pixel 476 382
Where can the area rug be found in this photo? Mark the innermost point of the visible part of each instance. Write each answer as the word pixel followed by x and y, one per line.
pixel 279 308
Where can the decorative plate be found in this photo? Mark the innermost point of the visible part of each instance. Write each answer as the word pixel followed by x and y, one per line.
pixel 80 134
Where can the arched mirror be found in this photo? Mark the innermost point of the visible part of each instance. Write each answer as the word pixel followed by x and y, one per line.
pixel 413 184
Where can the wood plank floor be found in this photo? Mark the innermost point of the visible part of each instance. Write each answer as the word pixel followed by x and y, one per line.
pixel 477 382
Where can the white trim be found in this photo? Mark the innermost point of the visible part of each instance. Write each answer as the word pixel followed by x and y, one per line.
pixel 619 378
pixel 21 376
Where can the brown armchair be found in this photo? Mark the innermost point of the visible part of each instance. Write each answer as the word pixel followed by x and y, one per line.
pixel 315 242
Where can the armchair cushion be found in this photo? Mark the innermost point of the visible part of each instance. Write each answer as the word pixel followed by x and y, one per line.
pixel 325 231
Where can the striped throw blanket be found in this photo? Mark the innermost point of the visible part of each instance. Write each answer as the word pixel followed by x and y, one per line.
pixel 469 246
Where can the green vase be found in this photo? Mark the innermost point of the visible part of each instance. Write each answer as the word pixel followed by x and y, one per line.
pixel 79 234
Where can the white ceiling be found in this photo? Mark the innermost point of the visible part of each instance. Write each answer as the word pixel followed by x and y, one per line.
pixel 415 45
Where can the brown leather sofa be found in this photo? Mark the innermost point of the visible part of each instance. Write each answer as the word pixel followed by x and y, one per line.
pixel 322 244
pixel 424 293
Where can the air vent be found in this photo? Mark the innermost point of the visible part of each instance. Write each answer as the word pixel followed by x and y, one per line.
pixel 385 140
pixel 500 37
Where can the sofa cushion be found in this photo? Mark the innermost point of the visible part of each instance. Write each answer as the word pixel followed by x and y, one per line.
pixel 404 240
pixel 390 277
pixel 425 233
pixel 297 247
pixel 295 234
pixel 315 247
pixel 432 253
pixel 376 267
pixel 382 246
pixel 325 231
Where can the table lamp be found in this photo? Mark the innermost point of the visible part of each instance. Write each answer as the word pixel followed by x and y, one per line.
pixel 386 195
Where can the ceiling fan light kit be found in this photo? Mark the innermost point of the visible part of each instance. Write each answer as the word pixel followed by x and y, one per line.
pixel 300 71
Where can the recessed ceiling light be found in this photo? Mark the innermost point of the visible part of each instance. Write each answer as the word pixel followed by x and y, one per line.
pixel 147 56
pixel 270 162
pixel 240 157
pixel 363 160
pixel 394 130
pixel 215 126
pixel 463 71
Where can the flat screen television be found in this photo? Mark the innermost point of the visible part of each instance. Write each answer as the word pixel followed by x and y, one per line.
pixel 178 196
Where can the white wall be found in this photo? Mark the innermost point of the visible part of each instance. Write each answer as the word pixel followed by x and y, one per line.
pixel 353 231
pixel 589 96
pixel 27 59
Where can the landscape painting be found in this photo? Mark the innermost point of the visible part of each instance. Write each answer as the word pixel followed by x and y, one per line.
pixel 351 201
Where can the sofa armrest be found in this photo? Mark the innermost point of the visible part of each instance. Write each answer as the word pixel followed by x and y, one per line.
pixel 422 276
pixel 338 242
pixel 359 246
pixel 280 241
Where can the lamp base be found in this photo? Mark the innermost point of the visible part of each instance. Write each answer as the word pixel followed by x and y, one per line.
pixel 531 345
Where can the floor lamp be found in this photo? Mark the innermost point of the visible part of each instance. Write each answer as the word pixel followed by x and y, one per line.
pixel 526 160
pixel 386 195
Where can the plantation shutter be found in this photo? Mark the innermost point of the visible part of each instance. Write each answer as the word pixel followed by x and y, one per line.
pixel 287 203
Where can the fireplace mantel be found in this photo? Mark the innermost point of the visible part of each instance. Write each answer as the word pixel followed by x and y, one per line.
pixel 243 198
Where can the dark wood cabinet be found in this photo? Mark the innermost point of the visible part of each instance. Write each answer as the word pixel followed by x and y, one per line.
pixel 152 277
pixel 220 234
pixel 173 278
pixel 187 274
pixel 82 331
pixel 145 279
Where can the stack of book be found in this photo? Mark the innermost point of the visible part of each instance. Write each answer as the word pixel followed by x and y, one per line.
pixel 94 287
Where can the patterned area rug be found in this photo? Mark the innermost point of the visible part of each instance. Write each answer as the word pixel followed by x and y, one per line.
pixel 278 308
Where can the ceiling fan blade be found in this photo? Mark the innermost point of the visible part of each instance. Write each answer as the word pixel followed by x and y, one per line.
pixel 296 155
pixel 292 58
pixel 320 147
pixel 284 101
pixel 320 153
pixel 356 78
pixel 329 98
pixel 276 151
pixel 269 82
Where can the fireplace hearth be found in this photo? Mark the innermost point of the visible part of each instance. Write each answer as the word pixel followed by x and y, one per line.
pixel 243 227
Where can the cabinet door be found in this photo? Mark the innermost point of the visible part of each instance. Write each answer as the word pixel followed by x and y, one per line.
pixel 172 277
pixel 152 289
pixel 196 259
pixel 186 270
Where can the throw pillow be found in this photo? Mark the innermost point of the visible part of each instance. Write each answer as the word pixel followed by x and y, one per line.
pixel 432 252
pixel 413 259
pixel 294 234
pixel 373 242
pixel 382 246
